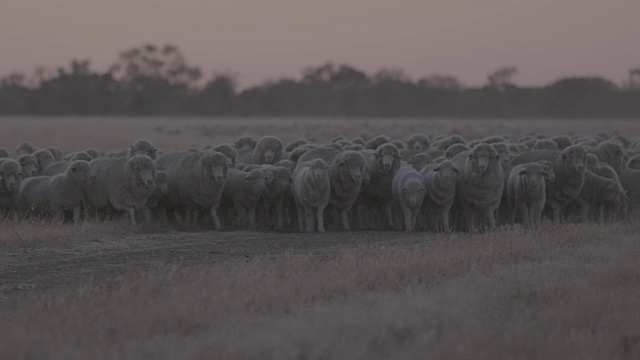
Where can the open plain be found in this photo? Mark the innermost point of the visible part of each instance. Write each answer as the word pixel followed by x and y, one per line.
pixel 101 290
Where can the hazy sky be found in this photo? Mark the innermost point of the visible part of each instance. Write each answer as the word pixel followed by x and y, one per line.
pixel 262 39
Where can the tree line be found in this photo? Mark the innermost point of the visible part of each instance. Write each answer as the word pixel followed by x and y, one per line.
pixel 158 80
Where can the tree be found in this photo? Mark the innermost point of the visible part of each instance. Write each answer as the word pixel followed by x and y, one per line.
pixel 502 78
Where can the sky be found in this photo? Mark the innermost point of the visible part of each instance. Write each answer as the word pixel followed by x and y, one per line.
pixel 268 39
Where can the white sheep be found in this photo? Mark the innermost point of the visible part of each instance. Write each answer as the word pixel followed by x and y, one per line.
pixel 311 192
pixel 55 194
pixel 408 195
pixel 123 184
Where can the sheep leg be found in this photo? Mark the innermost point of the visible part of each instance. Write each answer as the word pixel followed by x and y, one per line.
pixel 445 218
pixel 344 215
pixel 251 218
pixel 279 219
pixel 320 218
pixel 308 218
pixel 132 216
pixel 389 215
pixel 537 212
pixel 407 219
pixel 301 216
pixel 76 214
pixel 216 219
pixel 526 217
pixel 414 218
pixel 491 220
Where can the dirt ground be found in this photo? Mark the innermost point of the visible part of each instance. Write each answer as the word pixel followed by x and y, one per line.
pixel 24 271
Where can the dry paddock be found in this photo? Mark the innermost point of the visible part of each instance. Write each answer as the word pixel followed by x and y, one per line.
pixel 104 291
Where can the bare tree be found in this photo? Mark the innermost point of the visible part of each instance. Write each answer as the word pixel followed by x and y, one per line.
pixel 502 77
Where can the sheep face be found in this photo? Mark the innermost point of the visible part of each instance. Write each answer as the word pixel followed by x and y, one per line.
pixel 44 157
pixel 634 162
pixel 533 175
pixel 447 172
pixel 503 153
pixel 413 192
pixel 574 159
pixel 269 155
pixel 352 164
pixel 78 171
pixel 10 174
pixel 614 155
pixel 318 170
pixel 144 171
pixel 389 157
pixel 29 165
pixel 613 195
pixel 143 147
pixel 245 142
pixel 481 158
pixel 215 167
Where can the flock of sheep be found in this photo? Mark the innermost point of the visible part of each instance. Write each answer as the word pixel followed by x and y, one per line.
pixel 438 184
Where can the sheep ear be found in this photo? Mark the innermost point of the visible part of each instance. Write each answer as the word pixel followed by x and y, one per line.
pixel 437 168
pixel 455 170
pixel 522 171
pixel 609 187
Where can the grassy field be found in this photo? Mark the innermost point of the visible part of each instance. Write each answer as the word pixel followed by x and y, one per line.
pixel 104 291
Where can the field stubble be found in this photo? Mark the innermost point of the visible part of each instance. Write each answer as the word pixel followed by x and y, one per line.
pixel 556 292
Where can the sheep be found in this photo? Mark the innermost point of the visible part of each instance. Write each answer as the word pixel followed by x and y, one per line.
pixel 634 162
pixel 29 165
pixel 337 139
pixel 418 142
pixel 358 141
pixel 454 150
pixel 630 180
pixel 4 153
pixel 291 165
pixel 294 144
pixel 93 153
pixel 408 194
pixel 562 141
pixel 311 189
pixel 277 190
pixel 227 151
pixel 569 167
pixel 267 151
pixel 55 194
pixel 440 185
pixel 244 143
pixel 382 165
pixel 153 201
pixel 602 196
pixel 346 172
pixel 45 158
pixel 123 184
pixel 445 142
pixel 142 147
pixel 611 153
pixel 480 186
pixel 493 139
pixel 545 144
pixel 241 194
pixel 526 193
pixel 592 162
pixel 419 161
pixel 399 144
pixel 374 143
pixel 24 149
pixel 57 153
pixel 11 177
pixel 195 182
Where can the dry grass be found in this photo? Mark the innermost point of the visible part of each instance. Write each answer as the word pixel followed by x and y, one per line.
pixel 558 292
pixel 106 134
